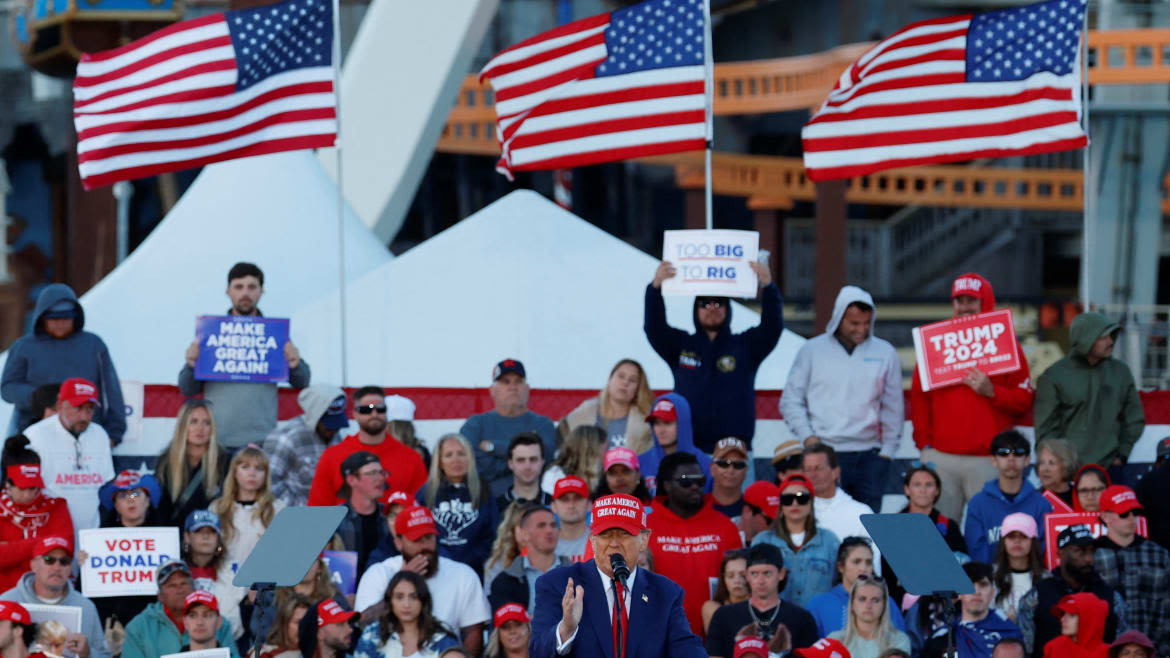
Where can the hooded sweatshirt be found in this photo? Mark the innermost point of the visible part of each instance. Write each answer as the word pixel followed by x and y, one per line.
pixel 20 527
pixel 717 377
pixel 976 639
pixel 851 400
pixel 1090 629
pixel 957 420
pixel 648 461
pixel 294 448
pixel 688 551
pixel 37 358
pixel 1097 408
pixel 91 625
pixel 986 511
pixel 152 634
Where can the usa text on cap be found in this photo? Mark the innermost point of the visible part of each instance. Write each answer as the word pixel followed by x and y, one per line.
pixel 728 445
pixel 620 511
pixel 570 484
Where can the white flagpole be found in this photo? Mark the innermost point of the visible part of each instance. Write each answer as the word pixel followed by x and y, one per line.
pixel 709 70
pixel 340 188
pixel 1088 223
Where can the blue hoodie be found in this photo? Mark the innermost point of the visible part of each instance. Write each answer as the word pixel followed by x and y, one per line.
pixel 37 358
pixel 648 461
pixel 977 639
pixel 985 514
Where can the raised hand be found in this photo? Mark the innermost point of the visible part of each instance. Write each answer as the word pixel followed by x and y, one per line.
pixel 572 606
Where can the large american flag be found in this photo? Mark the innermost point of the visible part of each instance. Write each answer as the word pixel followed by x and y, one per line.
pixel 224 86
pixel 993 84
pixel 625 84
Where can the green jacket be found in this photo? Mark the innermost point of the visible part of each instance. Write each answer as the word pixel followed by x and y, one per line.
pixel 152 634
pixel 1097 408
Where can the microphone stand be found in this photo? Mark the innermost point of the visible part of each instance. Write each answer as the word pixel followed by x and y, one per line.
pixel 621 573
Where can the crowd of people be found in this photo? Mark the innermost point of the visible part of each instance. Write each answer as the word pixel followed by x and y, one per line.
pixel 455 548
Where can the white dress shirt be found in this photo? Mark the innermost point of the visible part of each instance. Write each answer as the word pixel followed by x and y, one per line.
pixel 563 647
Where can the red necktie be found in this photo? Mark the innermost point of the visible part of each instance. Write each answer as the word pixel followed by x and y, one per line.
pixel 621 620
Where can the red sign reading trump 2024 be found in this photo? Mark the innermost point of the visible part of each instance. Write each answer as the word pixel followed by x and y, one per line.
pixel 947 350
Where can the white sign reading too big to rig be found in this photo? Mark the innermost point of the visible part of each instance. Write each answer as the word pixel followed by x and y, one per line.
pixel 711 262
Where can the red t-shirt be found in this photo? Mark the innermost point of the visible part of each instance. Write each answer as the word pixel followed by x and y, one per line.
pixel 688 551
pixel 405 466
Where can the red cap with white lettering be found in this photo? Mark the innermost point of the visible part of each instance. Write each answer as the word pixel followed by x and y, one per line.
pixel 1119 498
pixel 973 285
pixel 663 410
pixel 570 484
pixel 824 648
pixel 329 612
pixel 199 597
pixel 77 391
pixel 46 545
pixel 620 511
pixel 26 476
pixel 415 523
pixel 15 613
pixel 751 646
pixel 511 612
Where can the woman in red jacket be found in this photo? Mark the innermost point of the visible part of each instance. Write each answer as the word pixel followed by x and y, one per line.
pixel 25 511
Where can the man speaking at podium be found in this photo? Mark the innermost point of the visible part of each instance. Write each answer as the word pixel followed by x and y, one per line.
pixel 576 604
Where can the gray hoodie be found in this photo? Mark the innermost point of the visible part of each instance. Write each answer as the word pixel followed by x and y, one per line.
pixel 852 401
pixel 91 625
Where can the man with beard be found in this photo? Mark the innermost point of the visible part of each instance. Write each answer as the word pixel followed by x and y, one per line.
pixel 458 596
pixel 1075 574
pixel 404 465
pixel 334 630
pixel 245 412
pixel 688 537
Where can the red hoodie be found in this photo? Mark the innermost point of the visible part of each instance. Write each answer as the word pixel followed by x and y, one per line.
pixel 20 525
pixel 406 469
pixel 956 419
pixel 1090 628
pixel 688 551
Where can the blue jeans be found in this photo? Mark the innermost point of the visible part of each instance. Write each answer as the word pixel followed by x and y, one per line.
pixel 863 476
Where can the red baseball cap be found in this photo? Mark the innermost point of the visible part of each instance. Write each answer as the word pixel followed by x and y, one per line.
pixel 15 613
pixel 329 612
pixel 415 522
pixel 751 646
pixel 797 478
pixel 398 498
pixel 511 612
pixel 618 511
pixel 1119 498
pixel 824 648
pixel 765 496
pixel 663 410
pixel 26 476
pixel 46 545
pixel 199 597
pixel 77 391
pixel 570 484
pixel 623 456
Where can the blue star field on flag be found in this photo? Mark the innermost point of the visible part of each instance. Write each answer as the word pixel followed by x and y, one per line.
pixel 1014 44
pixel 653 35
pixel 277 38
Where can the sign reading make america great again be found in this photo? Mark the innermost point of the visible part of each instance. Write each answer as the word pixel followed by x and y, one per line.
pixel 241 348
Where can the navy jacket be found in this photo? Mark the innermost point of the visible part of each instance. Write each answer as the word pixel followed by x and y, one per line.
pixel 717 377
pixel 466 531
pixel 649 461
pixel 658 624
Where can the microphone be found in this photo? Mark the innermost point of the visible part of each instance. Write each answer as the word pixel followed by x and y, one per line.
pixel 621 570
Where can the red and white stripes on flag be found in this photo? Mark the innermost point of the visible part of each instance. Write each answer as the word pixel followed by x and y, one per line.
pixel 952 89
pixel 610 87
pixel 219 87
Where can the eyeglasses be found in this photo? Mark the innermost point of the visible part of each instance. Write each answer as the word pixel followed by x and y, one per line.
pixel 379 473
pixel 366 409
pixel 64 560
pixel 1091 491
pixel 737 464
pixel 870 578
pixel 800 498
pixel 691 480
pixel 709 304
pixel 1005 452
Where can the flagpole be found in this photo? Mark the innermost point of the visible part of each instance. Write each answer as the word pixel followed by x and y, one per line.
pixel 709 77
pixel 1088 223
pixel 340 188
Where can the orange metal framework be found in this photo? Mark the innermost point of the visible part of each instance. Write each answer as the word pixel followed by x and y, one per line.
pixel 1140 56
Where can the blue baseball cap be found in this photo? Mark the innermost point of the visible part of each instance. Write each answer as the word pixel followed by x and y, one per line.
pixel 202 518
pixel 334 417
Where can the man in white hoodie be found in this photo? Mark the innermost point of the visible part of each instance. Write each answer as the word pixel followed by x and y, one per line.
pixel 845 390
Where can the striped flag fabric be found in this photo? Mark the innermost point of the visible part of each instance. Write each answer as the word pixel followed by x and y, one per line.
pixel 991 84
pixel 626 84
pixel 228 85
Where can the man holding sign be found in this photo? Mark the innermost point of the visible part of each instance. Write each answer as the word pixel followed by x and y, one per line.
pixel 245 412
pixel 954 425
pixel 714 369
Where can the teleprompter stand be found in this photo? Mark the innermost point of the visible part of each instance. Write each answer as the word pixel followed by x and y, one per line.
pixel 925 565
pixel 286 551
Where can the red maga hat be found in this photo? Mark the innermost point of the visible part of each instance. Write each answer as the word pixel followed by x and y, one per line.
pixel 618 511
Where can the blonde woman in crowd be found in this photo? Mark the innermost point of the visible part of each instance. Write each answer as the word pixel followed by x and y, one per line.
pixel 506 547
pixel 620 409
pixel 192 468
pixel 465 514
pixel 246 507
pixel 581 455
pixel 509 638
pixel 868 630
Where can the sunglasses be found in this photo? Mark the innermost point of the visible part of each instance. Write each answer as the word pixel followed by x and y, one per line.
pixel 737 464
pixel 1132 512
pixel 63 561
pixel 131 494
pixel 1005 452
pixel 691 480
pixel 370 408
pixel 801 498
pixel 872 579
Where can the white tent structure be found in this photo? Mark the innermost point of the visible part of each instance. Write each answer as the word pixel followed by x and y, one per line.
pixel 278 211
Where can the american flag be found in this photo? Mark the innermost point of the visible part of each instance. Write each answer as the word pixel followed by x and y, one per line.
pixel 224 86
pixel 626 84
pixel 986 85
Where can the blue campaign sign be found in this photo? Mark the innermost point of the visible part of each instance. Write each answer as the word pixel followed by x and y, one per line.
pixel 241 348
pixel 342 567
